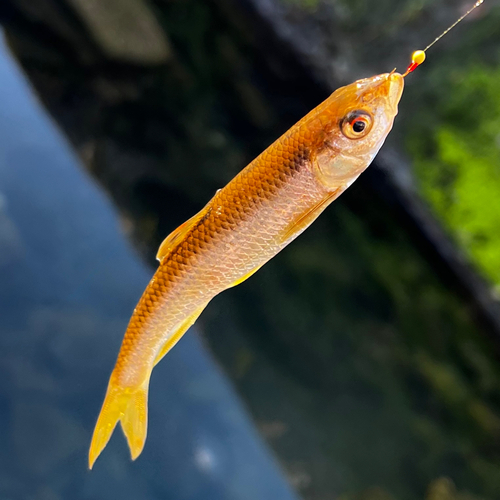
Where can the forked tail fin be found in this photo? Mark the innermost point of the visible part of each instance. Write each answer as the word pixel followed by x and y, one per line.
pixel 130 407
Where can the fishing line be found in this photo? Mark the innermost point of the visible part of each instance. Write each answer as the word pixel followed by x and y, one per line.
pixel 418 57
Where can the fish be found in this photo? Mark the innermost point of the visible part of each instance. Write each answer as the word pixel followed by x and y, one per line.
pixel 257 214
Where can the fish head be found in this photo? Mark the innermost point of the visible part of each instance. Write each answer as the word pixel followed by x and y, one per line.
pixel 353 124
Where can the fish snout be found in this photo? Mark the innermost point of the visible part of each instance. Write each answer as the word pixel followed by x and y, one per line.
pixel 395 85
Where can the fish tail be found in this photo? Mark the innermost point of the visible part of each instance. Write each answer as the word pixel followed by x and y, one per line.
pixel 135 421
pixel 130 407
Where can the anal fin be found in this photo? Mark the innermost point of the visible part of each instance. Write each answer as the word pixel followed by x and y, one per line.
pixel 189 321
pixel 245 277
pixel 181 330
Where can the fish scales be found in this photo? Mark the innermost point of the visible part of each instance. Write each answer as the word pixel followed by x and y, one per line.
pixel 258 213
pixel 246 223
pixel 244 220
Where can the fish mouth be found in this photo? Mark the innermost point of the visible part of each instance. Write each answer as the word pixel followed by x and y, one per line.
pixel 382 90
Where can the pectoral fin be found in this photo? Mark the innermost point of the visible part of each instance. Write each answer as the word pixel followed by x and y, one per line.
pixel 308 217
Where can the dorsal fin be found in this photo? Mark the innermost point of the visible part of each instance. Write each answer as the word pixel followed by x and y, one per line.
pixel 178 234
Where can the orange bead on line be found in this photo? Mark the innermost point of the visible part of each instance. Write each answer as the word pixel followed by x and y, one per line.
pixel 417 58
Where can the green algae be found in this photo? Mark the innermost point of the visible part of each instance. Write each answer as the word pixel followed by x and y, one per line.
pixel 457 163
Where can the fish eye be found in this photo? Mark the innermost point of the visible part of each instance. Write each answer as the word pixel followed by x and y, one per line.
pixel 356 124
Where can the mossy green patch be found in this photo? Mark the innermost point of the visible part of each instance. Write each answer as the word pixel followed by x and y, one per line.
pixel 457 162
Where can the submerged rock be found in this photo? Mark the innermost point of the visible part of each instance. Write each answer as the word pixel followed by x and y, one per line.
pixel 125 30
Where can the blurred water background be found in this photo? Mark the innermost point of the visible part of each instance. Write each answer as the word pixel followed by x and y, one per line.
pixel 360 364
pixel 68 281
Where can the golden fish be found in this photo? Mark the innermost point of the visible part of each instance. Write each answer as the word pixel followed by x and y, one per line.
pixel 248 222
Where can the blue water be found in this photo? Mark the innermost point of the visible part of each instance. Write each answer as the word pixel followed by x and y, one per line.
pixel 68 283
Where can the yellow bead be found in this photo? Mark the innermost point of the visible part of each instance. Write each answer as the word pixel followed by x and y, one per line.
pixel 418 56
